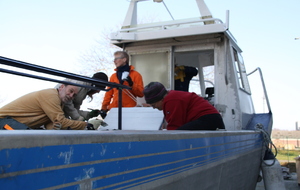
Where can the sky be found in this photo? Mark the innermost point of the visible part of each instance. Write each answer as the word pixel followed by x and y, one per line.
pixel 57 33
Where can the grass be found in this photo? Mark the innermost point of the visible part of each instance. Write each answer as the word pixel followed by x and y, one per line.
pixel 287 155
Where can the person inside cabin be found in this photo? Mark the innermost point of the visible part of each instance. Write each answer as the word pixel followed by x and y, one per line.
pixel 183 110
pixel 183 75
pixel 43 108
pixel 72 107
pixel 126 75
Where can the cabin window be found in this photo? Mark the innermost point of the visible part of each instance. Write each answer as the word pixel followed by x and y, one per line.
pixel 153 67
pixel 208 76
pixel 241 72
pixel 194 85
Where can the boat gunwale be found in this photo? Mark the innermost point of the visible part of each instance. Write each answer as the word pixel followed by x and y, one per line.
pixel 41 138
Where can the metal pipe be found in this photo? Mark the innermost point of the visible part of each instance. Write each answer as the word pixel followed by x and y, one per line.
pixel 163 26
pixel 263 85
pixel 46 70
pixel 120 109
pixel 40 69
pixel 49 79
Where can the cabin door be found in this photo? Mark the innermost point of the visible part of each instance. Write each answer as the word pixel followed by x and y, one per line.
pixel 195 70
pixel 176 68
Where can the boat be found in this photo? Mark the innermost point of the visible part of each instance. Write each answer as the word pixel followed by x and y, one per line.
pixel 131 154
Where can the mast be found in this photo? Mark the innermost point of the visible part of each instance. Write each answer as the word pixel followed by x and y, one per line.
pixel 204 11
pixel 131 16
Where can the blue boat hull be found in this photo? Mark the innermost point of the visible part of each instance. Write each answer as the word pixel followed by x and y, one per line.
pixel 129 159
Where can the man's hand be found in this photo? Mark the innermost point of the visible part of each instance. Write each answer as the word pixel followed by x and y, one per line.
pixel 129 80
pixel 103 113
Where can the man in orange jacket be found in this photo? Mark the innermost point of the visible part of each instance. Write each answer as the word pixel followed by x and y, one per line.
pixel 126 75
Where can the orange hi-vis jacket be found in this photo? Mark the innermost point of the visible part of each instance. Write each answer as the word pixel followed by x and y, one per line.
pixel 111 97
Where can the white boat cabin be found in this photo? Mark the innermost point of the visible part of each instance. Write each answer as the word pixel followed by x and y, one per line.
pixel 204 43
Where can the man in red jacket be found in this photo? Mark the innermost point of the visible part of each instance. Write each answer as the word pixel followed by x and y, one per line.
pixel 183 110
pixel 126 75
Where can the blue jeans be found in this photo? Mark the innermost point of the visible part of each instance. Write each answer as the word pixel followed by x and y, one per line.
pixel 12 123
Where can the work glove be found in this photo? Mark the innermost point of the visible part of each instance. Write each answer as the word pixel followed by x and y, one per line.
pixel 90 126
pixel 56 126
pixel 178 69
pixel 95 122
pixel 124 75
pixel 103 113
pixel 129 80
pixel 94 113
pixel 80 118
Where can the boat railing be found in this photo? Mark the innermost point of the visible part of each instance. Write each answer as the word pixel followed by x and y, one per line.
pixel 166 25
pixel 263 86
pixel 54 72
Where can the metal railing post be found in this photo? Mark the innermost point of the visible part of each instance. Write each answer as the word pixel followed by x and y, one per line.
pixel 120 109
pixel 263 86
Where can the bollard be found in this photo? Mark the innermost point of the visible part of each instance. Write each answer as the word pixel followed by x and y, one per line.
pixel 272 175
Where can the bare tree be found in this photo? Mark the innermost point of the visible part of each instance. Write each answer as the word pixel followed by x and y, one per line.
pixel 2 100
pixel 99 58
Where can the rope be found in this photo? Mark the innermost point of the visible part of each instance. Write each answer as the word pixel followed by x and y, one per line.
pixel 130 95
pixel 267 142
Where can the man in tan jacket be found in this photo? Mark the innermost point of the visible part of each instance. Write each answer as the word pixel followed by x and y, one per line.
pixel 42 108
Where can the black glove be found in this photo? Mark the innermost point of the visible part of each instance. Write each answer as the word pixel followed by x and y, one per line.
pixel 103 113
pixel 94 113
pixel 90 126
pixel 129 80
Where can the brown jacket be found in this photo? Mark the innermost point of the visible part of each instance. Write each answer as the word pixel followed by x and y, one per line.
pixel 39 108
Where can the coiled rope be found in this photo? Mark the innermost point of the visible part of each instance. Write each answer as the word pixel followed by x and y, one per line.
pixel 267 143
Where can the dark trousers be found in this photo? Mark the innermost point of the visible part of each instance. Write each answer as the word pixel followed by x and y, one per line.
pixel 206 122
pixel 12 123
